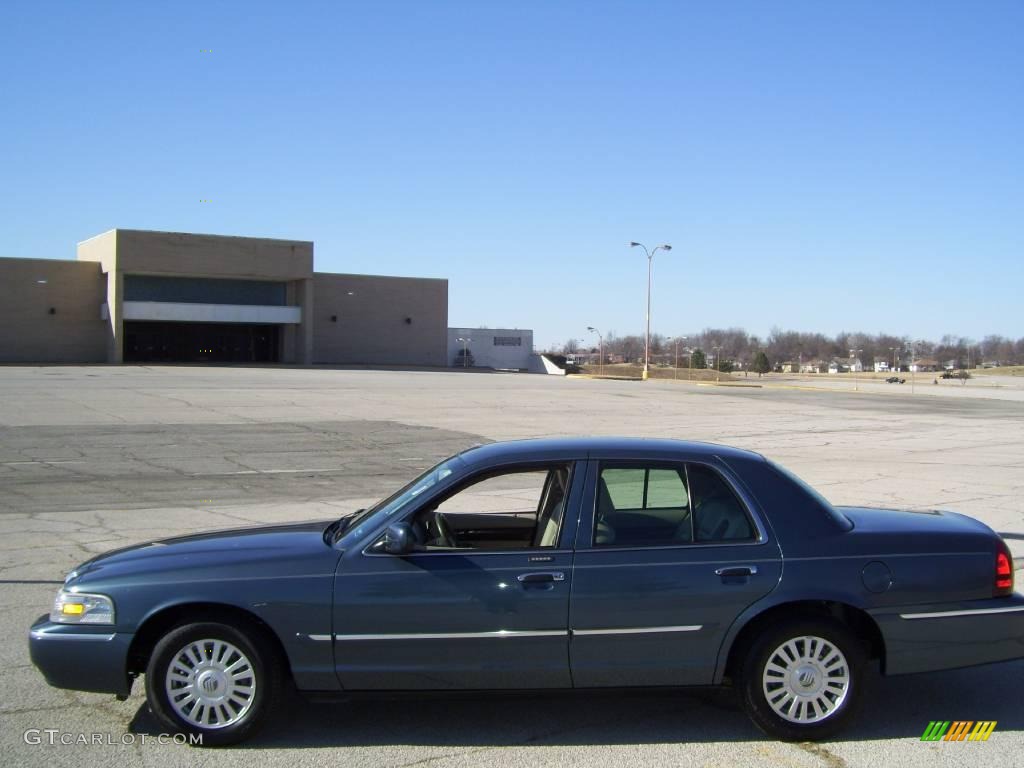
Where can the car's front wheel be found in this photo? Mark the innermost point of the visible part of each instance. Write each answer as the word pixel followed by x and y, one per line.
pixel 213 680
pixel 802 681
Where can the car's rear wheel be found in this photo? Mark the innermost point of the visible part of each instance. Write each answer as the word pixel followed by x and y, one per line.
pixel 213 680
pixel 802 681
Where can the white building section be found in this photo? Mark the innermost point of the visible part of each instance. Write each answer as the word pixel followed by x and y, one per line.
pixel 209 313
pixel 501 348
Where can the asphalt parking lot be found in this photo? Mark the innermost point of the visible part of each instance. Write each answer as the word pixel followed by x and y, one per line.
pixel 93 458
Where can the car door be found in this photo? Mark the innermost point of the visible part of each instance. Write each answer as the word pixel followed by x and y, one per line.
pixel 668 554
pixel 492 614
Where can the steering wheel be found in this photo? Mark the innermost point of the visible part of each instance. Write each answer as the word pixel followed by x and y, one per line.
pixel 440 531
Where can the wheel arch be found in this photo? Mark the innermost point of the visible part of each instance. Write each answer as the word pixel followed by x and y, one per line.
pixel 159 623
pixel 745 629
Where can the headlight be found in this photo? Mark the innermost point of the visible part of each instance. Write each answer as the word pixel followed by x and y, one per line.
pixel 82 608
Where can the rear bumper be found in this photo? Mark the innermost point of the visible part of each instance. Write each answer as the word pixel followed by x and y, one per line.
pixel 81 658
pixel 928 638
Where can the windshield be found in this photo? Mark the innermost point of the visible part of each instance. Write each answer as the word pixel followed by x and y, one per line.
pixel 397 501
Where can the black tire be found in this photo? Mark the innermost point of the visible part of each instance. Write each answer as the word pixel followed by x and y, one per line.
pixel 757 692
pixel 253 665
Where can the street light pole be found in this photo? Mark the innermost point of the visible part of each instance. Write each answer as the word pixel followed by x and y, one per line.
pixel 718 362
pixel 600 339
pixel 647 332
pixel 852 353
pixel 675 374
pixel 465 352
pixel 913 367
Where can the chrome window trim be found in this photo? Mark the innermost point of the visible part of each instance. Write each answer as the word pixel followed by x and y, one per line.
pixel 469 552
pixel 967 612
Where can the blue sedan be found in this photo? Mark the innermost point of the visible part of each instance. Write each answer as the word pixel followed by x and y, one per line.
pixel 539 565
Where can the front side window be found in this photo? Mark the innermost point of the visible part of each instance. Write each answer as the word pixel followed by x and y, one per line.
pixel 665 506
pixel 515 509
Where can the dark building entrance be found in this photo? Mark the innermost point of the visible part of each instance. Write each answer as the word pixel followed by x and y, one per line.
pixel 200 343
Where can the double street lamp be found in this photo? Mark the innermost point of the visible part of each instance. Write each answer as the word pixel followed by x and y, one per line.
pixel 675 370
pixel 600 340
pixel 853 365
pixel 647 332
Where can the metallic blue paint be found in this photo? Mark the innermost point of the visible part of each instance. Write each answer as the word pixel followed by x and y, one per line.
pixel 349 618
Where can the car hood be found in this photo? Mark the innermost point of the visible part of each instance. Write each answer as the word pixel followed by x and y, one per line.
pixel 259 548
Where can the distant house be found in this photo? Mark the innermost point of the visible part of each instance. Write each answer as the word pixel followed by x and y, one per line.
pixel 855 365
pixel 790 367
pixel 837 367
pixel 924 365
pixel 881 366
pixel 813 366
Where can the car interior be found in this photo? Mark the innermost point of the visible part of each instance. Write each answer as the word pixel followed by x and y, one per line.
pixel 511 510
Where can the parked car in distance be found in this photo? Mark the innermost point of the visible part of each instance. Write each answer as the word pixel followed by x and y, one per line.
pixel 540 565
pixel 895 380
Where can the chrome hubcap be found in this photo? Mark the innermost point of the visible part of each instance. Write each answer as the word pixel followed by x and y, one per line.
pixel 210 684
pixel 806 679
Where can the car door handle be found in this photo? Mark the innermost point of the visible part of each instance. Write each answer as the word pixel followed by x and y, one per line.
pixel 542 577
pixel 736 570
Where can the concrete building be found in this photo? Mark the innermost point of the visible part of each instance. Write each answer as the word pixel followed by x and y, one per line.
pixel 135 296
pixel 503 348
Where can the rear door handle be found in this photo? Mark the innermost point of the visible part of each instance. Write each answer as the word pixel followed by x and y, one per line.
pixel 542 577
pixel 736 570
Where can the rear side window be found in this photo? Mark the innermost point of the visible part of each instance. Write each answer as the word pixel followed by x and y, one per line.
pixel 642 506
pixel 665 506
pixel 718 514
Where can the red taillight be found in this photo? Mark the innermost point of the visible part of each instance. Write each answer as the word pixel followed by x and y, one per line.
pixel 1004 574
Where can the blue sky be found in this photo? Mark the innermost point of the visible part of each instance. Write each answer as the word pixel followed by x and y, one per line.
pixel 816 166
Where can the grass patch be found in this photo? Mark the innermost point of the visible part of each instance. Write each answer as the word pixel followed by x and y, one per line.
pixel 634 371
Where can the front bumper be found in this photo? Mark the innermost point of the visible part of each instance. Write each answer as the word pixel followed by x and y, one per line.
pixel 928 638
pixel 81 658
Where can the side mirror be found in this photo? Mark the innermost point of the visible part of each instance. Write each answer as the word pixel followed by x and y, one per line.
pixel 398 539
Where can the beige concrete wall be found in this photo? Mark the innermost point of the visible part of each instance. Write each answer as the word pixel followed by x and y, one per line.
pixel 74 333
pixel 103 249
pixel 177 253
pixel 371 325
pixel 141 252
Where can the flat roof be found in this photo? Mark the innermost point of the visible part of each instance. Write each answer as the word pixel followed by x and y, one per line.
pixel 194 234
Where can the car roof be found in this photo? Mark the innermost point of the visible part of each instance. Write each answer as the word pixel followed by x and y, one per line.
pixel 554 448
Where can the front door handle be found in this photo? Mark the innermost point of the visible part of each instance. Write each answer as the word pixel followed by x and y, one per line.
pixel 736 570
pixel 542 577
